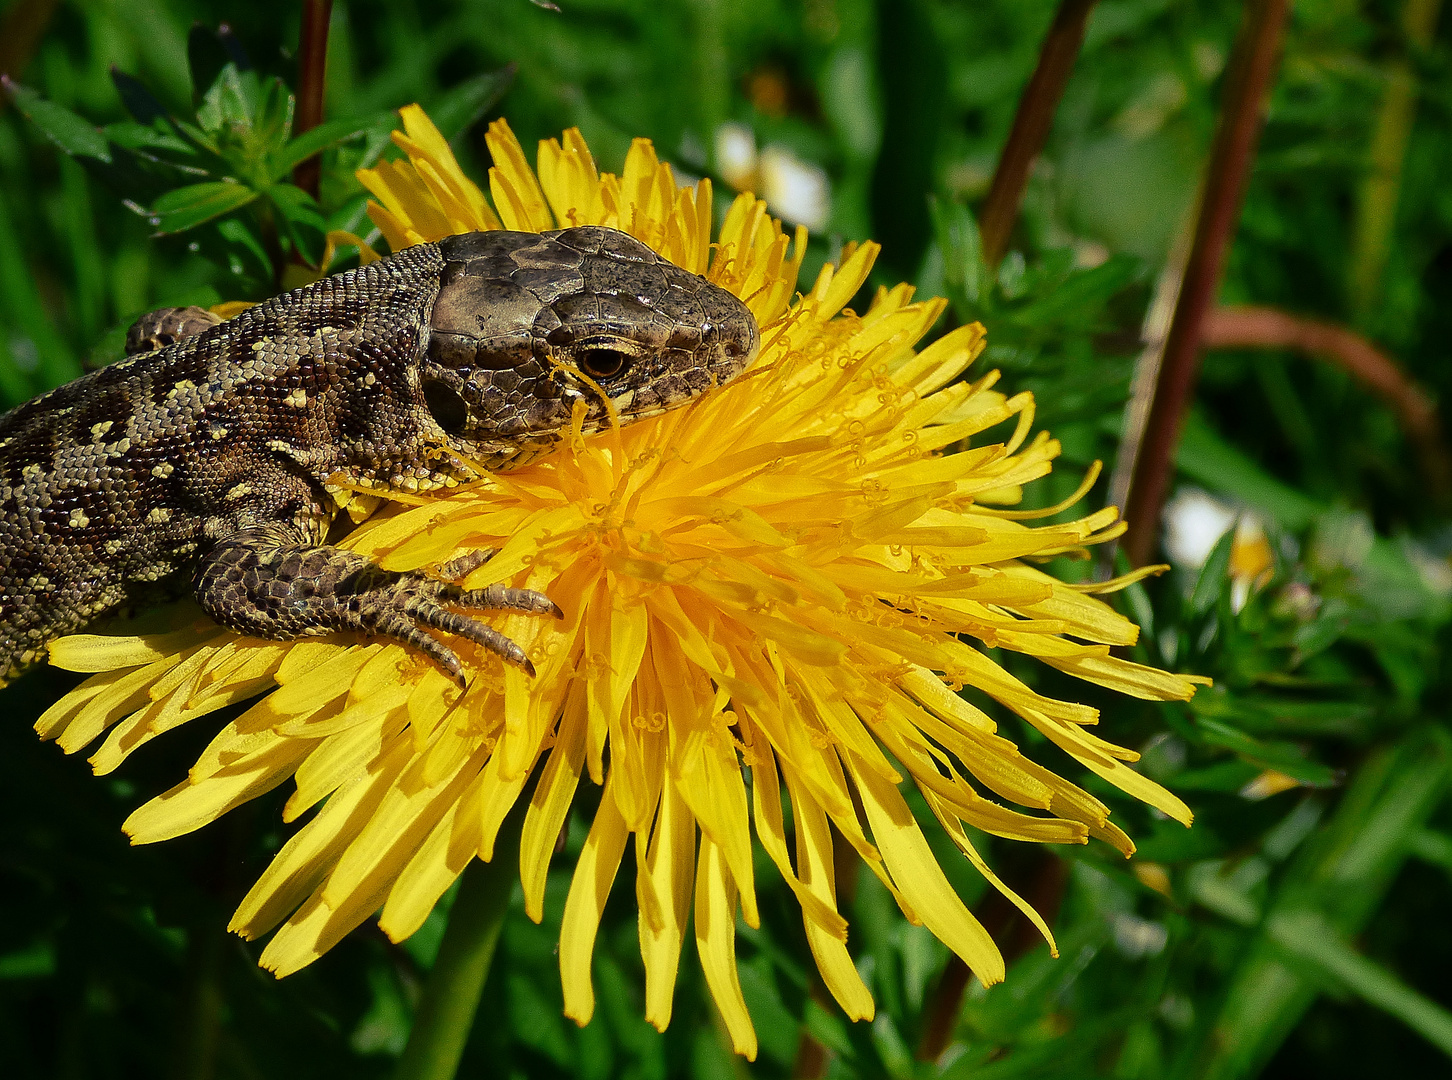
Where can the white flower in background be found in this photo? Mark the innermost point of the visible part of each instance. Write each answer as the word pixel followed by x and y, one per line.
pixel 1195 521
pixel 793 188
pixel 736 155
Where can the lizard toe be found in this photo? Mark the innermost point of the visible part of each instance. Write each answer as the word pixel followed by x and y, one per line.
pixel 462 566
pixel 402 628
pixel 500 598
pixel 432 614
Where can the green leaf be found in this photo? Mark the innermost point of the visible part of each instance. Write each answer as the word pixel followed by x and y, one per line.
pixel 957 235
pixel 1225 777
pixel 1310 939
pixel 1208 459
pixel 1433 847
pixel 1342 870
pixel 58 124
pixel 140 102
pixel 187 207
pixel 315 140
pixel 1082 296
pixel 464 105
pixel 230 102
pixel 1282 756
pixel 241 241
pixel 137 136
pixel 272 122
pixel 300 219
pixel 1210 585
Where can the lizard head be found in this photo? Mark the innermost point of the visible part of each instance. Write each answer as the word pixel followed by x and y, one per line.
pixel 526 325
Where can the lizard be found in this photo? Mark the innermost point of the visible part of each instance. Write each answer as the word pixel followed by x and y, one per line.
pixel 209 449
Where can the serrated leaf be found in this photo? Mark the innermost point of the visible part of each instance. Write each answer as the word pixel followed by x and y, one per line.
pixel 70 132
pixel 187 207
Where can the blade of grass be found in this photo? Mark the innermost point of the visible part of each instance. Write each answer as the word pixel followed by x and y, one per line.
pixel 450 1000
pixel 1342 875
pixel 1376 204
pixel 85 251
pixel 53 362
pixel 1310 939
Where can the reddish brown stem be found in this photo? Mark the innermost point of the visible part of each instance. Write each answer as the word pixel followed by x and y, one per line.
pixel 20 31
pixel 1265 327
pixel 1031 126
pixel 1015 935
pixel 812 1060
pixel 1248 80
pixel 312 62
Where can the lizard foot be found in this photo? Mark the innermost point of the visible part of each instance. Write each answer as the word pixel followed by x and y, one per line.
pixel 406 607
pixel 256 585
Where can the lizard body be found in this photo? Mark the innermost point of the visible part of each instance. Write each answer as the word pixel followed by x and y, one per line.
pixel 210 455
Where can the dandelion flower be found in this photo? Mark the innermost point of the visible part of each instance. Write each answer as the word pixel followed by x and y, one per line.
pixel 793 576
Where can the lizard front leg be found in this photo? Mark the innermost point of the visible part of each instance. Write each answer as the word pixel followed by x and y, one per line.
pixel 267 580
pixel 166 326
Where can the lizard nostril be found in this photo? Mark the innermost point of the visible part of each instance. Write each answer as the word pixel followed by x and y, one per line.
pixel 448 408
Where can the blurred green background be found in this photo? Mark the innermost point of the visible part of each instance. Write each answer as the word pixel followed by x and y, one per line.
pixel 1298 930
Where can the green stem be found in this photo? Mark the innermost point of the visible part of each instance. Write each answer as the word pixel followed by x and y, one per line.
pixel 445 1012
pixel 1376 208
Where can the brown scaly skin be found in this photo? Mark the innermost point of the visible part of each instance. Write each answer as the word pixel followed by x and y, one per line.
pixel 210 454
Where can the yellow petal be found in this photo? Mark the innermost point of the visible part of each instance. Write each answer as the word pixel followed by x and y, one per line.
pixel 815 857
pixel 549 807
pixel 594 874
pixel 512 182
pixel 917 874
pixel 189 806
pixel 669 875
pixel 301 865
pixel 716 944
pixel 451 845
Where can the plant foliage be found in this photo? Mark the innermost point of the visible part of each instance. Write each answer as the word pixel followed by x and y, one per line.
pixel 1296 930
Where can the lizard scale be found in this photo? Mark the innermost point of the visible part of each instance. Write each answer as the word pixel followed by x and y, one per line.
pixel 206 452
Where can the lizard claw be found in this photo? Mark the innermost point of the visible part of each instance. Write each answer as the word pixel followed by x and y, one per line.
pixel 405 620
pixel 415 602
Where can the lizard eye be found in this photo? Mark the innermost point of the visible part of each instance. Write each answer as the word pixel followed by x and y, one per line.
pixel 602 363
pixel 448 408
